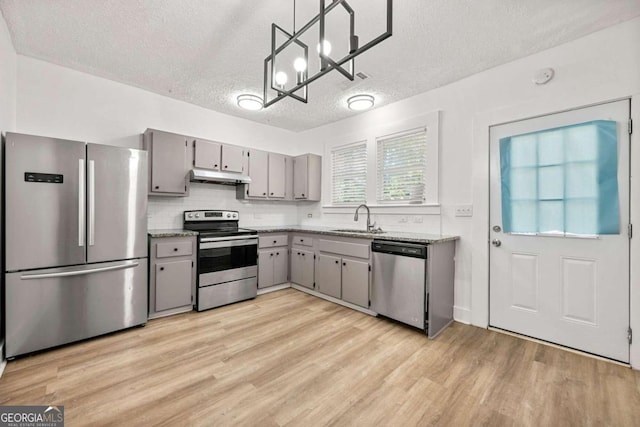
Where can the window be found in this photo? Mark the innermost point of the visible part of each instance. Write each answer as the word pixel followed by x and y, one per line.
pixel 401 167
pixel 561 181
pixel 349 174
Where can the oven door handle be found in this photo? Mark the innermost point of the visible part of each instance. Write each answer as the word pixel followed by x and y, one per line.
pixel 228 244
pixel 223 239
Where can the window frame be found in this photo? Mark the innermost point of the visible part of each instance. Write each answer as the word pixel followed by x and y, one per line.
pixel 366 176
pixel 371 134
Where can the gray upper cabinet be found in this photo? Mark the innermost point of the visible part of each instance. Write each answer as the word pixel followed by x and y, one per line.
pixel 307 176
pixel 170 163
pixel 277 175
pixel 258 171
pixel 232 158
pixel 206 154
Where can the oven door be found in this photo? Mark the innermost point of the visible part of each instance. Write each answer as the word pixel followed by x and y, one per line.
pixel 225 259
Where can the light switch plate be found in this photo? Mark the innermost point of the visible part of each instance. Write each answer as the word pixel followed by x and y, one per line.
pixel 464 210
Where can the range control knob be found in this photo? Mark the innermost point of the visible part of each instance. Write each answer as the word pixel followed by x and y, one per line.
pixel 235 215
pixel 228 215
pixel 197 215
pixel 190 215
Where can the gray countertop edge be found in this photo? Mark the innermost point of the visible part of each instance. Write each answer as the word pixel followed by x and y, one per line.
pixel 171 233
pixel 390 235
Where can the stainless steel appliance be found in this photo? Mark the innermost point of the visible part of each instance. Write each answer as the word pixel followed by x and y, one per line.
pixel 227 258
pixel 75 230
pixel 407 288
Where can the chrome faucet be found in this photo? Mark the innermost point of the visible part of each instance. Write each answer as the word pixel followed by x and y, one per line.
pixel 371 228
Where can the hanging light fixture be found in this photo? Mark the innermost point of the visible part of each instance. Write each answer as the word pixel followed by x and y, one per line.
pixel 278 85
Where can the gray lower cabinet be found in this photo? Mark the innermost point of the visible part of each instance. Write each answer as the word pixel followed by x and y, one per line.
pixel 273 267
pixel 355 282
pixel 329 280
pixel 302 267
pixel 172 275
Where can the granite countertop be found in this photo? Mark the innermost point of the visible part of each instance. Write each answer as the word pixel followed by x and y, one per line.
pixel 178 232
pixel 330 231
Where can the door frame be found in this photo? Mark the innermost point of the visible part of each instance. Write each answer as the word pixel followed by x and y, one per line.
pixel 480 175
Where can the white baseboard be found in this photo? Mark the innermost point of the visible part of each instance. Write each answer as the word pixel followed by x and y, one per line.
pixel 462 315
pixel 274 288
pixel 334 300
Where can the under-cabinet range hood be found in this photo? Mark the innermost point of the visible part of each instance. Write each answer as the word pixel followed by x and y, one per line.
pixel 216 177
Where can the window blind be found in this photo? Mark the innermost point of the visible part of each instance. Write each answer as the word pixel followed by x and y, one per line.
pixel 349 174
pixel 401 167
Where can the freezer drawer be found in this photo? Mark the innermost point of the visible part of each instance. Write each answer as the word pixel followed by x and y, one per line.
pixel 47 308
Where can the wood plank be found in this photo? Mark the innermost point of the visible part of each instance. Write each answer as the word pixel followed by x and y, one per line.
pixel 287 358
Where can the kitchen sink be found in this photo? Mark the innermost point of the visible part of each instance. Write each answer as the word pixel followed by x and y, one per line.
pixel 351 230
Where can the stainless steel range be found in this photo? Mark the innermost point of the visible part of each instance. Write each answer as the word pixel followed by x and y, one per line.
pixel 227 258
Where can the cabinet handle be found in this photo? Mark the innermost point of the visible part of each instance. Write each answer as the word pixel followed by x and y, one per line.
pixel 215 166
pixel 272 194
pixel 302 254
pixel 264 194
pixel 175 249
pixel 298 253
pixel 302 194
pixel 301 240
pixel 161 268
pixel 157 187
pixel 344 263
pixel 271 254
pixel 277 253
pixel 275 241
pixel 226 166
pixel 337 262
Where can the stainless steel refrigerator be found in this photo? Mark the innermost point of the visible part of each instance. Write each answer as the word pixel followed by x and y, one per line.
pixel 75 241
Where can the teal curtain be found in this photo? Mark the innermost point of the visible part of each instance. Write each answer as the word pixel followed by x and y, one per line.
pixel 562 180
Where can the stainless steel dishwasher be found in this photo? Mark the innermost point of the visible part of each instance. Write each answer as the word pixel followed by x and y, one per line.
pixel 409 287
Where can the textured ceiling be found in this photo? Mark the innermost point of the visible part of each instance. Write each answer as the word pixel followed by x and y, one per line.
pixel 206 52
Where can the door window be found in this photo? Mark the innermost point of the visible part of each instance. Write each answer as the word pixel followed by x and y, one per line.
pixel 561 181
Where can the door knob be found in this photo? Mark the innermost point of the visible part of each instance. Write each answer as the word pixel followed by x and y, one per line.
pixel 496 243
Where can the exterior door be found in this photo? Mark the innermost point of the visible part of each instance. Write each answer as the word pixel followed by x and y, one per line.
pixel 116 203
pixel 559 211
pixel 45 202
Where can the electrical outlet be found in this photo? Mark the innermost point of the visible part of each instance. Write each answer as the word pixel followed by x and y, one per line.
pixel 309 215
pixel 417 219
pixel 257 216
pixel 464 210
pixel 403 219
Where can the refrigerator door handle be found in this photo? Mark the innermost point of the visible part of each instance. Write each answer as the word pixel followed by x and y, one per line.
pixel 92 202
pixel 79 272
pixel 81 202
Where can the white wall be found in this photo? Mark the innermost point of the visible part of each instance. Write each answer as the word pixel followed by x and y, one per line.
pixel 7 113
pixel 59 102
pixel 600 67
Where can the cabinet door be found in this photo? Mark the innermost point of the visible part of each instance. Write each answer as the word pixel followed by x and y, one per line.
pixel 265 268
pixel 232 158
pixel 258 171
pixel 277 175
pixel 308 269
pixel 300 165
pixel 288 180
pixel 206 154
pixel 355 282
pixel 169 166
pixel 280 266
pixel 173 284
pixel 329 275
pixel 296 268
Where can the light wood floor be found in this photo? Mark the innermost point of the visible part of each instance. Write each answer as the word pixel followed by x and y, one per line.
pixel 288 358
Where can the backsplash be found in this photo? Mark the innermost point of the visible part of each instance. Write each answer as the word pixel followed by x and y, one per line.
pixel 166 212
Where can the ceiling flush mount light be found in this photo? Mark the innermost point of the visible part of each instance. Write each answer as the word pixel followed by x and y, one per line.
pixel 250 102
pixel 360 102
pixel 277 85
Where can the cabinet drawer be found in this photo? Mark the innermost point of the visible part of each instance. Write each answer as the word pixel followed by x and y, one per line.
pixel 272 241
pixel 303 240
pixel 164 250
pixel 345 248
